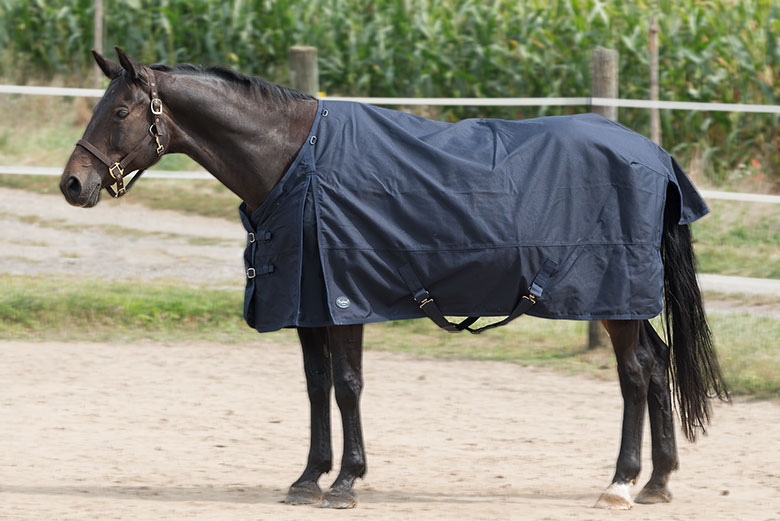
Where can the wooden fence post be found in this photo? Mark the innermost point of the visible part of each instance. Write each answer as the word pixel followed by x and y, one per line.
pixel 97 39
pixel 304 74
pixel 603 84
pixel 655 117
pixel 604 80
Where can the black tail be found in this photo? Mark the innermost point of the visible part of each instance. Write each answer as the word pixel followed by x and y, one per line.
pixel 694 369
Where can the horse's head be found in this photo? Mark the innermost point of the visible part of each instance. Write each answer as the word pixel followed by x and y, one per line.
pixel 125 134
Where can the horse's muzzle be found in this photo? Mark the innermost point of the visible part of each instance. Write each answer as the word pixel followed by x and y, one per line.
pixel 79 193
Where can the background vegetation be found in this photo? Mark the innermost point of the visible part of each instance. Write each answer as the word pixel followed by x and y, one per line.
pixel 713 50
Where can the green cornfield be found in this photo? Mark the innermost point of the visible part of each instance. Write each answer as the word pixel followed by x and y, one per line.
pixel 710 50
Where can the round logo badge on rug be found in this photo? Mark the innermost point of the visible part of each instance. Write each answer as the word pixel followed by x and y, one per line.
pixel 342 302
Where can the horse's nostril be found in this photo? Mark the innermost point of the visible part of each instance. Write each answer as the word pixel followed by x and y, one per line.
pixel 73 186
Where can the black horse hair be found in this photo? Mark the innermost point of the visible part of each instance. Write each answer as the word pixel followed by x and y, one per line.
pixel 694 368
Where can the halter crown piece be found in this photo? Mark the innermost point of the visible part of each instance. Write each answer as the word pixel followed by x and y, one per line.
pixel 156 131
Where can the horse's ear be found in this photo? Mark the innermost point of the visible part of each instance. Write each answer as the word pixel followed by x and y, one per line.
pixel 135 71
pixel 109 68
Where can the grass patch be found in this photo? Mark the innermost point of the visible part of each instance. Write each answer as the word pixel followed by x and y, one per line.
pixel 41 130
pixel 73 309
pixel 198 197
pixel 749 353
pixel 739 239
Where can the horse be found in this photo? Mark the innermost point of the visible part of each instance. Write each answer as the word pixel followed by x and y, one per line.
pixel 248 133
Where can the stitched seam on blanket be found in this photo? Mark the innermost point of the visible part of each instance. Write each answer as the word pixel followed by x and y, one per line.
pixel 483 248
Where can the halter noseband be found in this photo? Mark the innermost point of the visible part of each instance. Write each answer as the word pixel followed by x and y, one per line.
pixel 156 131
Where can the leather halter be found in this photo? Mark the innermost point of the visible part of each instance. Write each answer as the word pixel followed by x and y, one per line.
pixel 117 168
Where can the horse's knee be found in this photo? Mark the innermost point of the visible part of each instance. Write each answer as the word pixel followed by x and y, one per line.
pixel 348 388
pixel 316 365
pixel 318 384
pixel 636 362
pixel 318 396
pixel 634 381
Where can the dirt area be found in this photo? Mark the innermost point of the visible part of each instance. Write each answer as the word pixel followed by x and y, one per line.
pixel 42 234
pixel 214 432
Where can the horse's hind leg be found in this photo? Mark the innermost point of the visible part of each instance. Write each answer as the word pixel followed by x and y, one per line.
pixel 634 368
pixel 346 343
pixel 659 405
pixel 317 366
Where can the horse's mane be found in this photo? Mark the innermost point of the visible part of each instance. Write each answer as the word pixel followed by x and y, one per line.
pixel 263 87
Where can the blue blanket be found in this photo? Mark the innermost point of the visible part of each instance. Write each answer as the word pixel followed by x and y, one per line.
pixel 475 209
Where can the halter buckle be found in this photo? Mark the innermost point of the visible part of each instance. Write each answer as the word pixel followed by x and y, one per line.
pixel 118 167
pixel 156 106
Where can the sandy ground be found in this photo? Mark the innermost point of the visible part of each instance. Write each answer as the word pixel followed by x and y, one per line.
pixel 213 432
pixel 42 234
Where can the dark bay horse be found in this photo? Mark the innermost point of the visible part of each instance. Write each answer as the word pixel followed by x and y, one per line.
pixel 247 133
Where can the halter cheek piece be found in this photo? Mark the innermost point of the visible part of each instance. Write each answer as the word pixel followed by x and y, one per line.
pixel 156 131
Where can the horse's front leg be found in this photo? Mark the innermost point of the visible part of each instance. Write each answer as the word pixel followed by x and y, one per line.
pixel 317 366
pixel 346 344
pixel 634 367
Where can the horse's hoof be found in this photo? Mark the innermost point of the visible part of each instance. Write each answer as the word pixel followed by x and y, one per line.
pixel 616 497
pixel 304 494
pixel 339 498
pixel 649 496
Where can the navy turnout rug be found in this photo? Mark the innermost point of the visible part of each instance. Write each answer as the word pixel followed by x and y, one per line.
pixel 384 215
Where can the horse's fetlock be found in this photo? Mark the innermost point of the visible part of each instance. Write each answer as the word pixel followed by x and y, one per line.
pixel 323 467
pixel 355 469
pixel 665 463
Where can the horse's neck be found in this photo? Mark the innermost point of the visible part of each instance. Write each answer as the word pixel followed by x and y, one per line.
pixel 243 140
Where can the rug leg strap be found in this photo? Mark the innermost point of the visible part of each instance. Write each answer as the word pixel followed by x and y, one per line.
pixel 428 305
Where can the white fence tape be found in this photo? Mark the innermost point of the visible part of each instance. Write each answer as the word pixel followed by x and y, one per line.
pixel 50 91
pixel 475 102
pixel 182 174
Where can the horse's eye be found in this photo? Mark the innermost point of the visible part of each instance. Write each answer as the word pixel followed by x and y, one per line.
pixel 122 113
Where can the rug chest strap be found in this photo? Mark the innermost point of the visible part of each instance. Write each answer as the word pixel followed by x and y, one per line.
pixel 428 304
